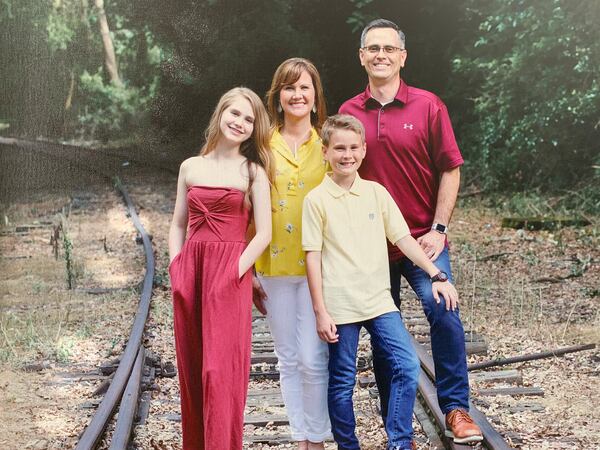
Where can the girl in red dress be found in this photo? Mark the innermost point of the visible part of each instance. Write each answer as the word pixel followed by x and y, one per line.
pixel 217 192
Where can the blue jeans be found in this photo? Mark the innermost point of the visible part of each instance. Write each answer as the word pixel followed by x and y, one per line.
pixel 394 353
pixel 447 334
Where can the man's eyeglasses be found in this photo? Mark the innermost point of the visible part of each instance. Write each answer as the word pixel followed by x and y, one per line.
pixel 375 49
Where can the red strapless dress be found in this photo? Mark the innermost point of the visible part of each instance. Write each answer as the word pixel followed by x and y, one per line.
pixel 213 316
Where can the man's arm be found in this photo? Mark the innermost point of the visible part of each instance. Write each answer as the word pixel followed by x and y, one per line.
pixel 326 328
pixel 433 242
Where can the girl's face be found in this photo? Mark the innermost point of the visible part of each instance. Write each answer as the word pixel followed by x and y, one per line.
pixel 297 99
pixel 237 121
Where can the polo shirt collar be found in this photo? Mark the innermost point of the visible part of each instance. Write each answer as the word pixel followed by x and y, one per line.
pixel 337 191
pixel 401 96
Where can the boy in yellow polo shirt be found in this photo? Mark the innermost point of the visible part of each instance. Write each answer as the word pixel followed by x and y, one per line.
pixel 345 223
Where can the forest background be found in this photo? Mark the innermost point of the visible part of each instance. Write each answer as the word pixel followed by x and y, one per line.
pixel 521 78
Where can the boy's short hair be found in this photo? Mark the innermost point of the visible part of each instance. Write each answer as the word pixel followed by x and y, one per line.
pixel 341 122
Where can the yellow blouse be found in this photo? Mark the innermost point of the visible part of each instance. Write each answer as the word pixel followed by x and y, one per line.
pixel 294 178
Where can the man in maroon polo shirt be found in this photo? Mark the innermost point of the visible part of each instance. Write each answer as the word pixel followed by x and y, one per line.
pixel 412 151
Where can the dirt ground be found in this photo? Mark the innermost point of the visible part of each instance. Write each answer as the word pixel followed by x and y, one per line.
pixel 524 291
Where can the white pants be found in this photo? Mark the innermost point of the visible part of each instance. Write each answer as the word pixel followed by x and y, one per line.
pixel 302 356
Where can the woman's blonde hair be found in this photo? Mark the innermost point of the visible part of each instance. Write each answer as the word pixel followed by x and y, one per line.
pixel 288 73
pixel 256 148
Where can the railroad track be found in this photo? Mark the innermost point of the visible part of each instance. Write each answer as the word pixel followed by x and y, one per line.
pixel 136 367
pixel 124 390
pixel 427 410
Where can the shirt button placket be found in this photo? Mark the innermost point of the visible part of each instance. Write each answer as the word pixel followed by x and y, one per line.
pixel 381 123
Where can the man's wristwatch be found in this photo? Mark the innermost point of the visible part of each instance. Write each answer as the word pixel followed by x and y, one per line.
pixel 440 228
pixel 440 276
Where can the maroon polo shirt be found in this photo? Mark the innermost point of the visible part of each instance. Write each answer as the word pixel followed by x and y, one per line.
pixel 410 142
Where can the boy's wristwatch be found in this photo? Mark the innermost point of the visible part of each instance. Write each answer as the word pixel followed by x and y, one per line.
pixel 440 276
pixel 440 228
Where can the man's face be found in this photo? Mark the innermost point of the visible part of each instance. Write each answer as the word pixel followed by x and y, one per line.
pixel 382 66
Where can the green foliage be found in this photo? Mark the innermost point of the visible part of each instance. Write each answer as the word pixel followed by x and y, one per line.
pixel 583 200
pixel 531 69
pixel 60 34
pixel 111 110
pixel 51 81
pixel 359 18
pixel 210 52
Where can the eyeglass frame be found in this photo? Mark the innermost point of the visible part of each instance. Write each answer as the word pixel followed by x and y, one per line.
pixel 382 47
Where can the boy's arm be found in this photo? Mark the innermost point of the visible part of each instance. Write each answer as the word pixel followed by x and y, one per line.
pixel 326 328
pixel 397 231
pixel 413 251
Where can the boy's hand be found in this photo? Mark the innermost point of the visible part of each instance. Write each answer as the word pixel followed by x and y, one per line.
pixel 326 328
pixel 448 291
pixel 258 295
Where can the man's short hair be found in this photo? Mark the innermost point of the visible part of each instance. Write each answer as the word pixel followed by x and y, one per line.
pixel 381 23
pixel 341 122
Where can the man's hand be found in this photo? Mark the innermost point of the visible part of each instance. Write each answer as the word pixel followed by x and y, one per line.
pixel 258 295
pixel 448 291
pixel 326 328
pixel 432 244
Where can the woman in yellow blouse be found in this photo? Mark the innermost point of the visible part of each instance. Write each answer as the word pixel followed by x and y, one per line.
pixel 297 108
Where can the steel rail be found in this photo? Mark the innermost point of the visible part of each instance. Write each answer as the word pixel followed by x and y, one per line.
pixel 123 378
pixel 429 395
pixel 129 403
pixel 530 357
pixel 491 438
pixel 94 431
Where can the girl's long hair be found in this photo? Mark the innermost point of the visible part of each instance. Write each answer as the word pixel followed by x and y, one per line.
pixel 256 148
pixel 288 73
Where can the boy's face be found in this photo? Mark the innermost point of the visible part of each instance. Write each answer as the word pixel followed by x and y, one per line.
pixel 345 152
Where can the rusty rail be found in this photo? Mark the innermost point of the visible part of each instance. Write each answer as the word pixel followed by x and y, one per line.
pixel 530 357
pixel 491 438
pixel 94 431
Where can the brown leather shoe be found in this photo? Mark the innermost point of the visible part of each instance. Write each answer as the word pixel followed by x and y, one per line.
pixel 461 428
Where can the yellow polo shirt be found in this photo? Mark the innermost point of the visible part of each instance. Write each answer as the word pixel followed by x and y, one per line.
pixel 294 178
pixel 350 229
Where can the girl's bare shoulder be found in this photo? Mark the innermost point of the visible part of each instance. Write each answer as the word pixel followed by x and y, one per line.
pixel 192 161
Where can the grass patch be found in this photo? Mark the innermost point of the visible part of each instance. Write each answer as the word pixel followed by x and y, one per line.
pixel 581 201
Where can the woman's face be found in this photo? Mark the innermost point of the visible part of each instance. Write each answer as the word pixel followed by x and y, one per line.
pixel 297 99
pixel 237 121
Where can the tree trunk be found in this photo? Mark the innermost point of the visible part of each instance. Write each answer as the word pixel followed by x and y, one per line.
pixel 110 59
pixel 69 100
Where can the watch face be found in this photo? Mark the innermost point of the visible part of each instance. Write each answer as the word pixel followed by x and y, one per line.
pixel 439 227
pixel 442 276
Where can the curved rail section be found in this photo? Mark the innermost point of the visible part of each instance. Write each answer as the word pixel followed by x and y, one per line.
pixel 133 352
